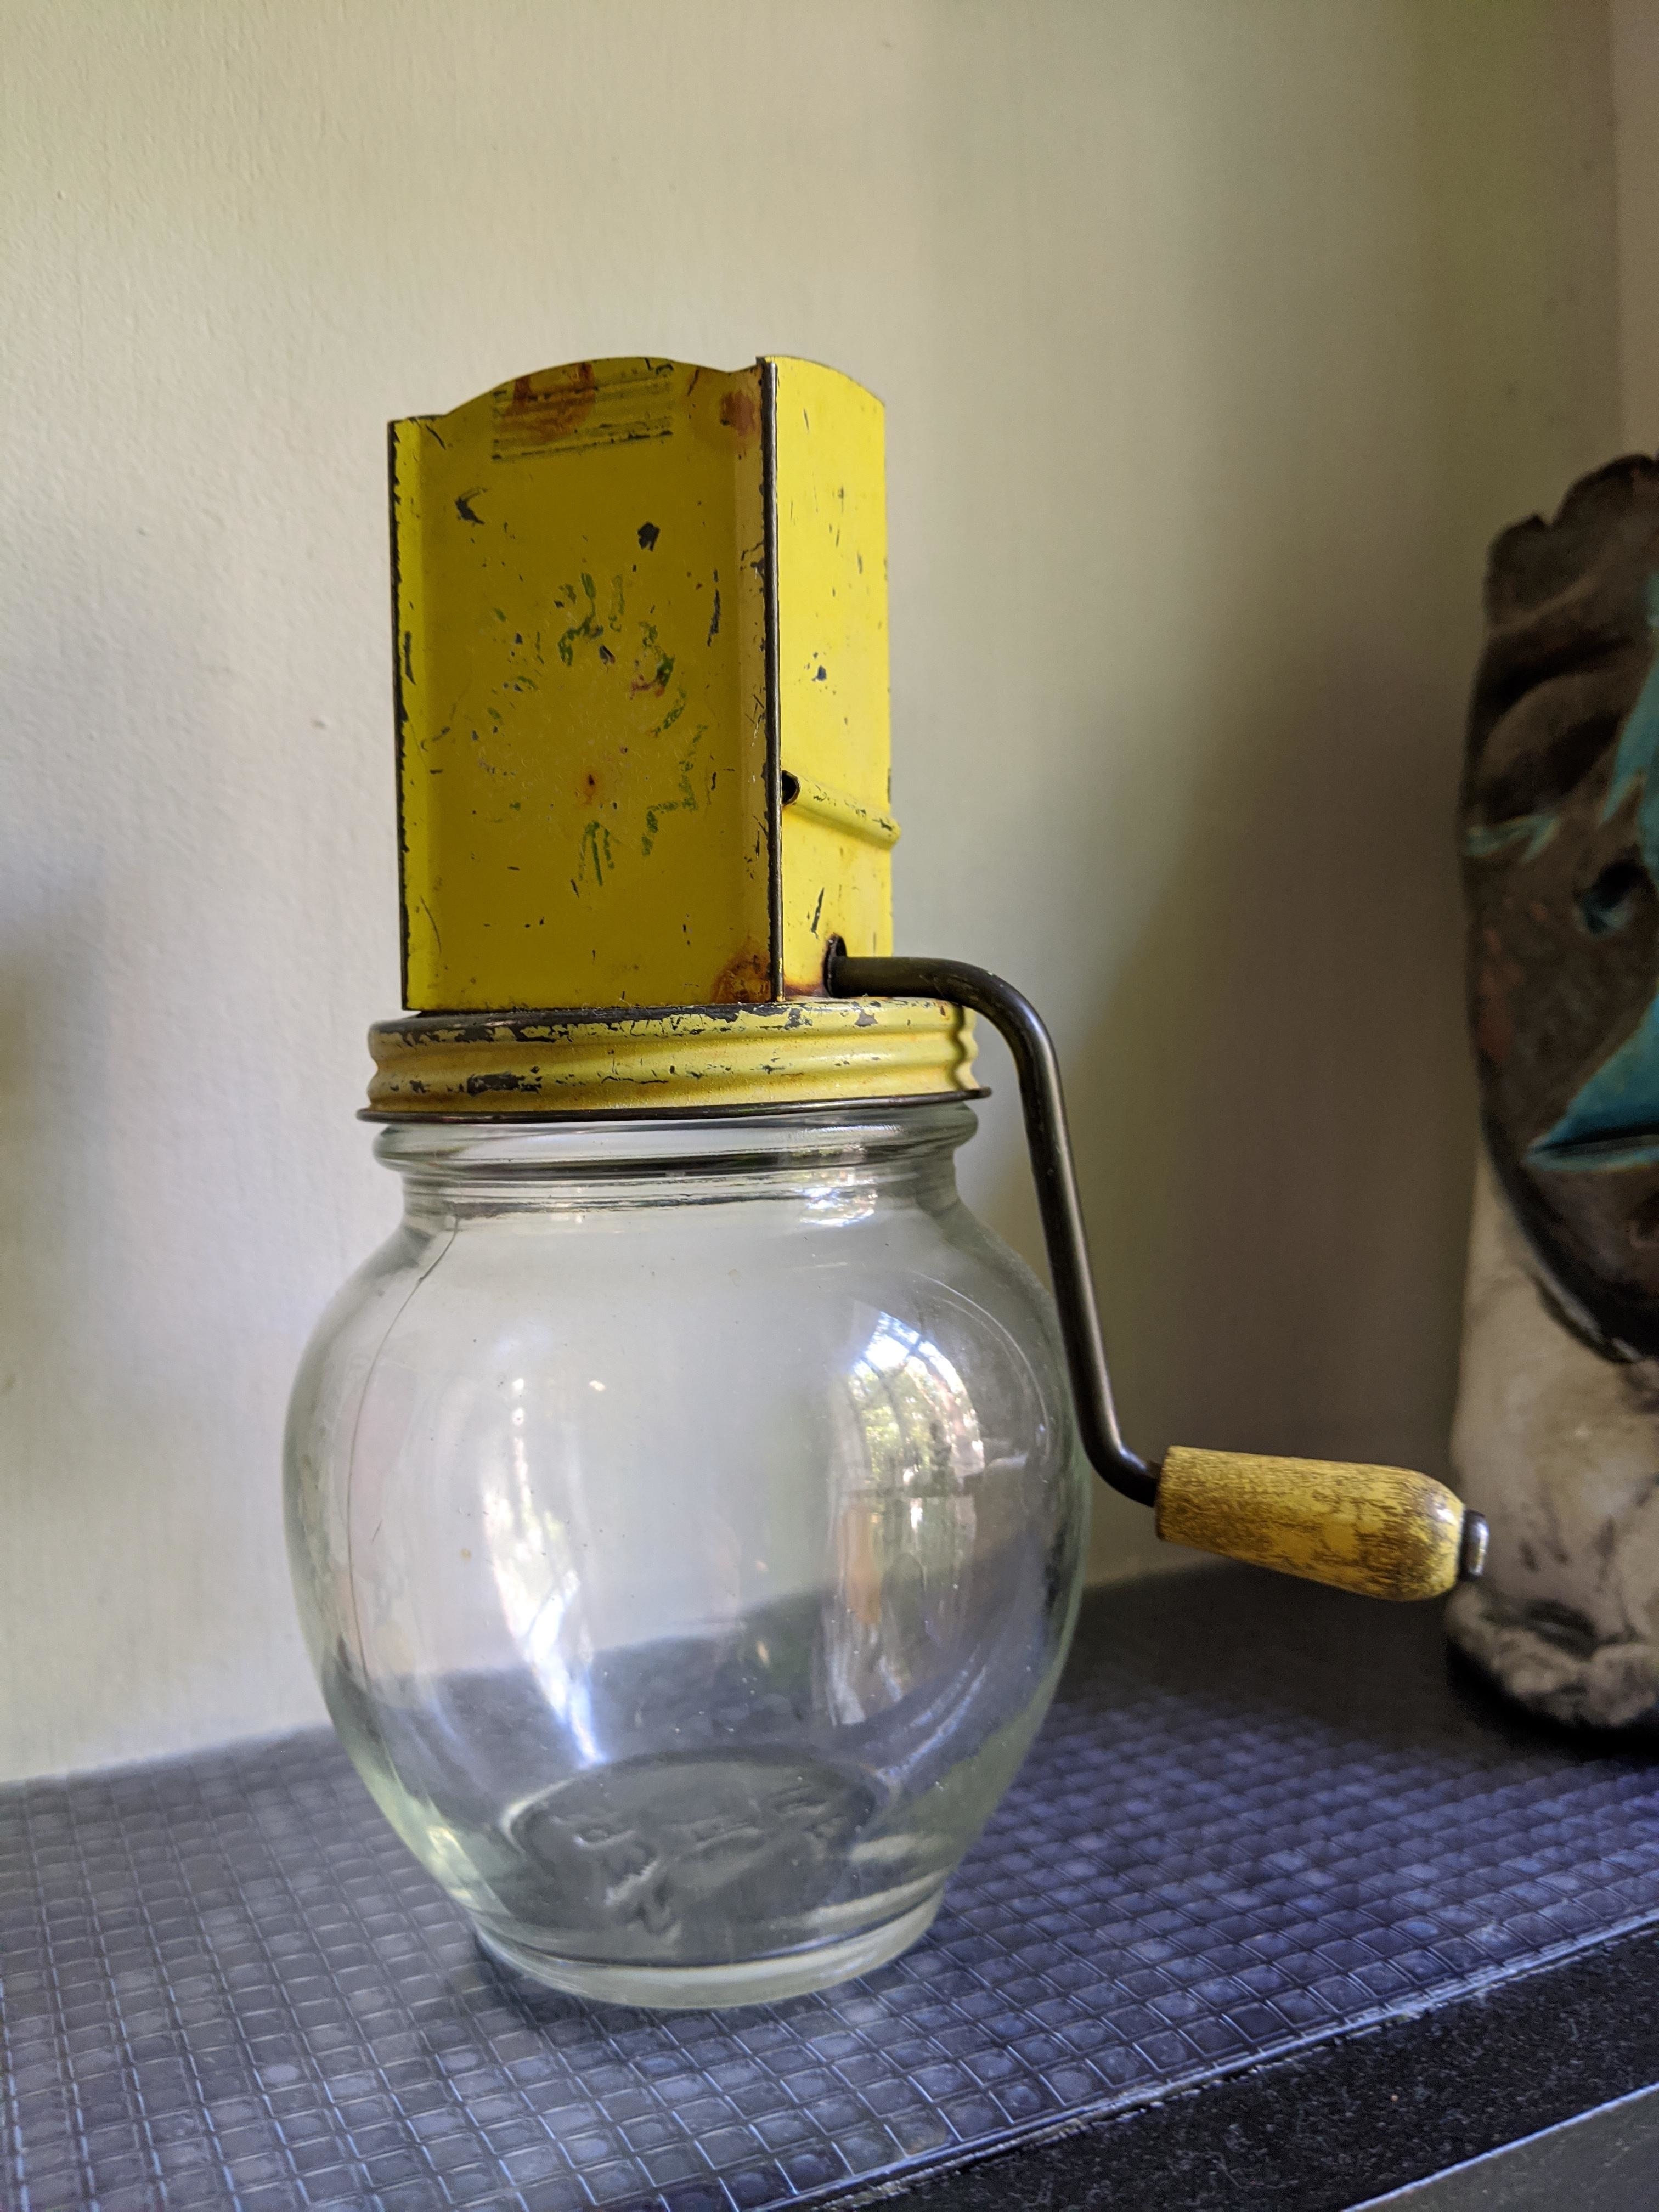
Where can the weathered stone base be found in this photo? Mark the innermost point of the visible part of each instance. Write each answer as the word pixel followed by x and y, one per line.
pixel 1559 1447
pixel 1547 1659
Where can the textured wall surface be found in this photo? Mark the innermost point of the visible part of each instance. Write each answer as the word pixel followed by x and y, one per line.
pixel 1215 340
pixel 1635 40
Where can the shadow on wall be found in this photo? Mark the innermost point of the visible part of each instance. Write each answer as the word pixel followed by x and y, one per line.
pixel 1271 1103
pixel 1272 1115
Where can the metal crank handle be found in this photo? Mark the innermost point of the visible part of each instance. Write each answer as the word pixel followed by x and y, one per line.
pixel 1381 1531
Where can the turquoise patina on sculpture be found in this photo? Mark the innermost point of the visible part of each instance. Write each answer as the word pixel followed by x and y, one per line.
pixel 1614 1119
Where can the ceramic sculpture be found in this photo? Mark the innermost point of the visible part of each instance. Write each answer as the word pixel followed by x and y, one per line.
pixel 1556 1435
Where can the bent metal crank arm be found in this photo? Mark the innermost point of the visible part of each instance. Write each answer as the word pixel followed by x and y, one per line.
pixel 1383 1531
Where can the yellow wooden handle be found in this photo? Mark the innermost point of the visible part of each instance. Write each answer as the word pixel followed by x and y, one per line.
pixel 1383 1531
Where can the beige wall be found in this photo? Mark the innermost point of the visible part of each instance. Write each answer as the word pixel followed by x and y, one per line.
pixel 1215 337
pixel 1635 40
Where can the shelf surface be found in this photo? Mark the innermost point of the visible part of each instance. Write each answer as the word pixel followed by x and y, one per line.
pixel 1283 1909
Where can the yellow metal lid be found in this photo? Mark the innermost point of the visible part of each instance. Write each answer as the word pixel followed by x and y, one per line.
pixel 795 1053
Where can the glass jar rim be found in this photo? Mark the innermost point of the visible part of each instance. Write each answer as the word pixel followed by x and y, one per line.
pixel 698 1137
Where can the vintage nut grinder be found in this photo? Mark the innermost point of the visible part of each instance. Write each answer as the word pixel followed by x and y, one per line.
pixel 687 1504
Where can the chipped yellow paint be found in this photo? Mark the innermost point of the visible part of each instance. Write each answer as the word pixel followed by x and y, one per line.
pixel 830 525
pixel 804 1051
pixel 1381 1531
pixel 581 691
pixel 596 730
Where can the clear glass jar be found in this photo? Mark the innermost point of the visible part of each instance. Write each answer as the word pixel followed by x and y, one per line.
pixel 687 1528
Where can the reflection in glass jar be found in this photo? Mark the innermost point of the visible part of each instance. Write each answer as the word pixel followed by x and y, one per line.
pixel 540 1588
pixel 903 1519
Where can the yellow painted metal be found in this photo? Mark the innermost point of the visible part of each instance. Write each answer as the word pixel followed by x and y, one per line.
pixel 639 605
pixel 802 1051
pixel 1381 1531
pixel 581 691
pixel 830 533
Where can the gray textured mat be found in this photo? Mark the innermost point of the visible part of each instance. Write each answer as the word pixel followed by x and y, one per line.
pixel 1259 1814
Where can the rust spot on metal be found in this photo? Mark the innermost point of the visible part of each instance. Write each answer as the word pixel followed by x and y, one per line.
pixel 481 1085
pixel 652 681
pixel 549 405
pixel 746 978
pixel 739 412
